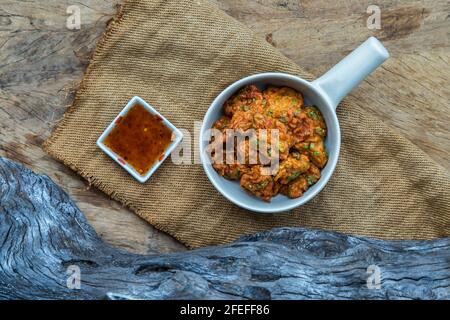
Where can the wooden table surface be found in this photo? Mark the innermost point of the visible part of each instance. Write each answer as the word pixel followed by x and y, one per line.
pixel 41 61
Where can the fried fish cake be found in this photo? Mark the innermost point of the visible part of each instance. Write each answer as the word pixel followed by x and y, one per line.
pixel 292 168
pixel 242 120
pixel 298 186
pixel 231 171
pixel 282 103
pixel 222 123
pixel 295 188
pixel 314 148
pixel 258 184
pixel 318 123
pixel 308 123
pixel 249 98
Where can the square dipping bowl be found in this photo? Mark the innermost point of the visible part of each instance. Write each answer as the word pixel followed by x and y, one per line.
pixel 176 138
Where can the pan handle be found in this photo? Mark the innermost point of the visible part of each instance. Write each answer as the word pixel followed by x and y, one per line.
pixel 350 71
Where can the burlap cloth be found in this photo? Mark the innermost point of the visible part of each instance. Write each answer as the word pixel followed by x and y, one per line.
pixel 178 55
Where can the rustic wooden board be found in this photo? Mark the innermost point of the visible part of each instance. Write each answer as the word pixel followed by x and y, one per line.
pixel 41 60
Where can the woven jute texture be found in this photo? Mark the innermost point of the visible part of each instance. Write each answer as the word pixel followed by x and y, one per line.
pixel 178 56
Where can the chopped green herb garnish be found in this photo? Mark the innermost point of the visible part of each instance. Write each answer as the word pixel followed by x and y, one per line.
pixel 270 112
pixel 262 184
pixel 296 155
pixel 245 108
pixel 294 102
pixel 293 176
pixel 319 130
pixel 310 180
pixel 313 115
pixel 297 111
pixel 269 152
pixel 283 119
pixel 264 102
pixel 317 153
pixel 311 145
pixel 306 146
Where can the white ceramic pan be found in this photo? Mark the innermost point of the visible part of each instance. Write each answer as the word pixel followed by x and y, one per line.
pixel 325 93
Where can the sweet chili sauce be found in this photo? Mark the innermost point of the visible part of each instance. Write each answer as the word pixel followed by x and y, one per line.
pixel 139 138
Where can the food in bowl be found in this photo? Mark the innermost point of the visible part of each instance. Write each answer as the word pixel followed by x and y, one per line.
pixel 300 150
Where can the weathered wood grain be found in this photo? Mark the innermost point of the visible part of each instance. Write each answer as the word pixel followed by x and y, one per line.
pixel 40 60
pixel 411 90
pixel 43 235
